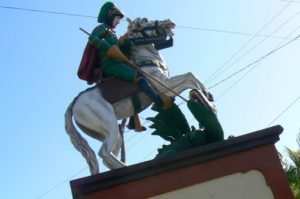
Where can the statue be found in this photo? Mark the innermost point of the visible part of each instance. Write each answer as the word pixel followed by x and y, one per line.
pixel 96 110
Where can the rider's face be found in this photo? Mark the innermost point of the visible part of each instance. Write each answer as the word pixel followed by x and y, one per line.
pixel 116 21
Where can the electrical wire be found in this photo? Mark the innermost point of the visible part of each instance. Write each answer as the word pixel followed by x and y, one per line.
pixel 258 44
pixel 285 110
pixel 179 26
pixel 45 11
pixel 229 32
pixel 60 184
pixel 215 74
pixel 291 1
pixel 136 142
pixel 255 62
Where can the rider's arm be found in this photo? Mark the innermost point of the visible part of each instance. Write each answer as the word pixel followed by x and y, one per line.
pixel 125 43
pixel 97 38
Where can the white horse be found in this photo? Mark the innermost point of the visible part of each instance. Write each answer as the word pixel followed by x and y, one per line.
pixel 98 118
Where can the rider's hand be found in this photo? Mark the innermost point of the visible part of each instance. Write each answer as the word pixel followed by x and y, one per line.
pixel 123 37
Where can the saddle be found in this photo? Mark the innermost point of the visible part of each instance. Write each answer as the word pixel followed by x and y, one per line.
pixel 114 89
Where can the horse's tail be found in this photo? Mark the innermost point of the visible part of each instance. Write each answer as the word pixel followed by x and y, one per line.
pixel 79 142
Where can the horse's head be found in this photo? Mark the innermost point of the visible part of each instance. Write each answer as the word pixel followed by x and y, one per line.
pixel 148 37
pixel 141 27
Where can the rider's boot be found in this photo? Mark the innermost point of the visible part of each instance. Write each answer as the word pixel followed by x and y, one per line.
pixel 160 101
pixel 134 123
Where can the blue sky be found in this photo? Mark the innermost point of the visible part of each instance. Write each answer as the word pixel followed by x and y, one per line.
pixel 40 54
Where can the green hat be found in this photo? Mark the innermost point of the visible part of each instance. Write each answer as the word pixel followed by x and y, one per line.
pixel 109 10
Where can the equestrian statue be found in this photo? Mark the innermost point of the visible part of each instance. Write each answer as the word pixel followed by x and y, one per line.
pixel 129 75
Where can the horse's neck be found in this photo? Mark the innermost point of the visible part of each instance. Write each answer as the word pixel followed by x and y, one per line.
pixel 148 52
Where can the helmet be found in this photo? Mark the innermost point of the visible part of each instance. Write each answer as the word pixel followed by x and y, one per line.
pixel 108 12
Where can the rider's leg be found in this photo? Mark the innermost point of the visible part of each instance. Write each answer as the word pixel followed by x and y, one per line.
pixel 161 101
pixel 126 72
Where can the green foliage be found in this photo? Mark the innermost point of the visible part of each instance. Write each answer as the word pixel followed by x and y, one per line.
pixel 292 171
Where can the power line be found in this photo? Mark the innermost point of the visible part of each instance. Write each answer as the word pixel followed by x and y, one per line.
pixel 236 82
pixel 215 74
pixel 152 152
pixel 136 142
pixel 286 109
pixel 291 1
pixel 258 44
pixel 60 184
pixel 278 28
pixel 45 11
pixel 255 62
pixel 184 27
pixel 230 32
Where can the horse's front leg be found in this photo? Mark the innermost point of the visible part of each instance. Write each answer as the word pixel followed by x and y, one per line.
pixel 177 83
pixel 189 81
pixel 186 81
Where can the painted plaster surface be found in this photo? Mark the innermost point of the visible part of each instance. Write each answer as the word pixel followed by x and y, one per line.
pixel 249 185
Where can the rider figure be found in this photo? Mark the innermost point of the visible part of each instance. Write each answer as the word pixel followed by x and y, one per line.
pixel 108 45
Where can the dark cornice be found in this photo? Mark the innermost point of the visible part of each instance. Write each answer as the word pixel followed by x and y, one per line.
pixel 200 154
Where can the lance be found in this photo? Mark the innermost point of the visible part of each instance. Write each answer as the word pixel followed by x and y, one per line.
pixel 115 52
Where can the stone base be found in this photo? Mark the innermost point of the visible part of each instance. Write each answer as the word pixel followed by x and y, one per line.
pixel 241 167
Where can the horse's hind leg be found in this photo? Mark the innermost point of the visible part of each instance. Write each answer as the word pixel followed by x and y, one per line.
pixel 111 147
pixel 100 117
pixel 117 148
pixel 109 158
